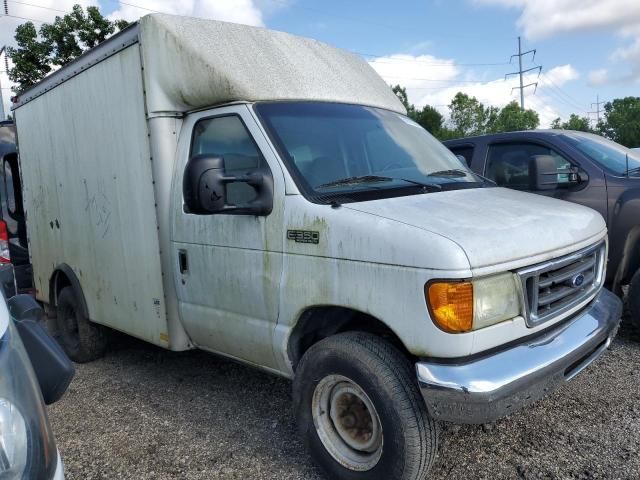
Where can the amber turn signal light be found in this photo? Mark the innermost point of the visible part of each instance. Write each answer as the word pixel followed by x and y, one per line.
pixel 451 305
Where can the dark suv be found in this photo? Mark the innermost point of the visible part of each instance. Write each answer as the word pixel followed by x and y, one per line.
pixel 578 167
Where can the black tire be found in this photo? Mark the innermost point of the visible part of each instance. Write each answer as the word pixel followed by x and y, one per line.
pixel 409 436
pixel 633 301
pixel 82 340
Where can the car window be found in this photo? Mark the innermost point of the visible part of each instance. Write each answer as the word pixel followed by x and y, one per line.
pixel 608 154
pixel 508 164
pixel 227 137
pixel 464 151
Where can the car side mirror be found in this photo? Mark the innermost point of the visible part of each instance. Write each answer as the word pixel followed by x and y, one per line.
pixel 543 173
pixel 52 367
pixel 462 160
pixel 205 183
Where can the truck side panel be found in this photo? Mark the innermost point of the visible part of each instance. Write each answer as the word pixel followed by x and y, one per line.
pixel 89 197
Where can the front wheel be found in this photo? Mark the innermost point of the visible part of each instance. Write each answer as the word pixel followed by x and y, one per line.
pixel 360 412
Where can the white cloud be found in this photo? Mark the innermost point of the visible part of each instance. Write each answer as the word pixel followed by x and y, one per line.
pixel 435 81
pixel 237 11
pixel 598 77
pixel 420 74
pixel 545 18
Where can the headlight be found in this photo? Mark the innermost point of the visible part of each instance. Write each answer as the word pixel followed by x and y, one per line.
pixel 458 307
pixel 27 449
pixel 13 441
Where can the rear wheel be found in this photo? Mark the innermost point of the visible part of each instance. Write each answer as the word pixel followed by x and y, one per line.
pixel 633 301
pixel 360 412
pixel 82 340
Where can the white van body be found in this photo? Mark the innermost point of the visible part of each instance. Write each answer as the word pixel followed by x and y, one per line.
pixel 104 143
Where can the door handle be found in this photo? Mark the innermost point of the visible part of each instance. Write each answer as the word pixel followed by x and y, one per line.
pixel 182 261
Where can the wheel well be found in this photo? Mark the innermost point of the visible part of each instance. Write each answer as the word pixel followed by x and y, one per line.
pixel 64 276
pixel 317 323
pixel 630 261
pixel 59 280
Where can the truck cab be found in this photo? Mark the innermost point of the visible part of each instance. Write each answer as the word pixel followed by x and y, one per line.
pixel 587 169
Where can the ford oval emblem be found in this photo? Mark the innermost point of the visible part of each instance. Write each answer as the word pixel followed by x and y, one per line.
pixel 577 281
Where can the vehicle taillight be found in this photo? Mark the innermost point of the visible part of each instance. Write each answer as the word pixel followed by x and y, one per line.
pixel 5 257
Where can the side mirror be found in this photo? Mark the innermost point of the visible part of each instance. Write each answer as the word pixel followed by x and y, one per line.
pixel 543 173
pixel 204 188
pixel 462 160
pixel 51 365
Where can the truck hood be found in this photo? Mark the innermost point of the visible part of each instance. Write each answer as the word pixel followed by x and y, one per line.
pixel 496 226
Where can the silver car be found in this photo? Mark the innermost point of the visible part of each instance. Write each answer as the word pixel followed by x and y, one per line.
pixel 34 372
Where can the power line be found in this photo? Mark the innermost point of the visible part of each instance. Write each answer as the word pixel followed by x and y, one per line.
pixel 32 5
pixel 561 94
pixel 141 8
pixel 431 79
pixel 25 18
pixel 520 72
pixel 390 59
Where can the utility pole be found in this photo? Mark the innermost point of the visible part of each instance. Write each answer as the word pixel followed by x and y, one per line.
pixel 520 72
pixel 597 107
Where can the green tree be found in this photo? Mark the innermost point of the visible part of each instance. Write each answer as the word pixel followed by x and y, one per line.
pixel 622 121
pixel 57 43
pixel 430 119
pixel 575 122
pixel 401 93
pixel 30 59
pixel 512 118
pixel 468 115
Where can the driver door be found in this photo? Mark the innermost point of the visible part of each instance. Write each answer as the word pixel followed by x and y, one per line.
pixel 228 267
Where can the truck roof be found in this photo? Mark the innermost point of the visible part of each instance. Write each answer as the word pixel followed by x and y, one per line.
pixel 516 135
pixel 192 63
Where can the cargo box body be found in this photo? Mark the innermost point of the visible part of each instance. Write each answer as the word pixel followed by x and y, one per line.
pixel 89 194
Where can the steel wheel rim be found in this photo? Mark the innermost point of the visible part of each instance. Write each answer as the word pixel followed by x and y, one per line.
pixel 347 423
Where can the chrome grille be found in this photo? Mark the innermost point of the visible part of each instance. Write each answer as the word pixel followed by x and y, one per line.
pixel 555 287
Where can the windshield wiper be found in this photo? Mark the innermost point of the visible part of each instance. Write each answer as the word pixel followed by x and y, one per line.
pixel 376 179
pixel 356 180
pixel 455 172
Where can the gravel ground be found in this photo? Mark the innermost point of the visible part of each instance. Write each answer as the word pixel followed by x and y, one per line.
pixel 145 413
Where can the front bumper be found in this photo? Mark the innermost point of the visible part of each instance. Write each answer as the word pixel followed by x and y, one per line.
pixel 492 386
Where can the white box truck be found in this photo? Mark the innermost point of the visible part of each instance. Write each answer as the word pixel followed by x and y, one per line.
pixel 199 184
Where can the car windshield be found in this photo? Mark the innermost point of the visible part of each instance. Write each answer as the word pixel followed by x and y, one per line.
pixel 610 155
pixel 353 152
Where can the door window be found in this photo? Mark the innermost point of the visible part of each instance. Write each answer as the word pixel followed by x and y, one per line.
pixel 508 164
pixel 227 137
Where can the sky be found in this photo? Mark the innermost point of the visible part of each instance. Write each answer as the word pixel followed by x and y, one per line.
pixel 588 49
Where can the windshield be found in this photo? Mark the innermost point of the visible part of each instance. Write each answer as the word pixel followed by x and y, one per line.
pixel 610 155
pixel 353 153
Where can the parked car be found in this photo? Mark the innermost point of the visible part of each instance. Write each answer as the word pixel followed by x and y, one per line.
pixel 35 371
pixel 579 167
pixel 15 268
pixel 267 199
